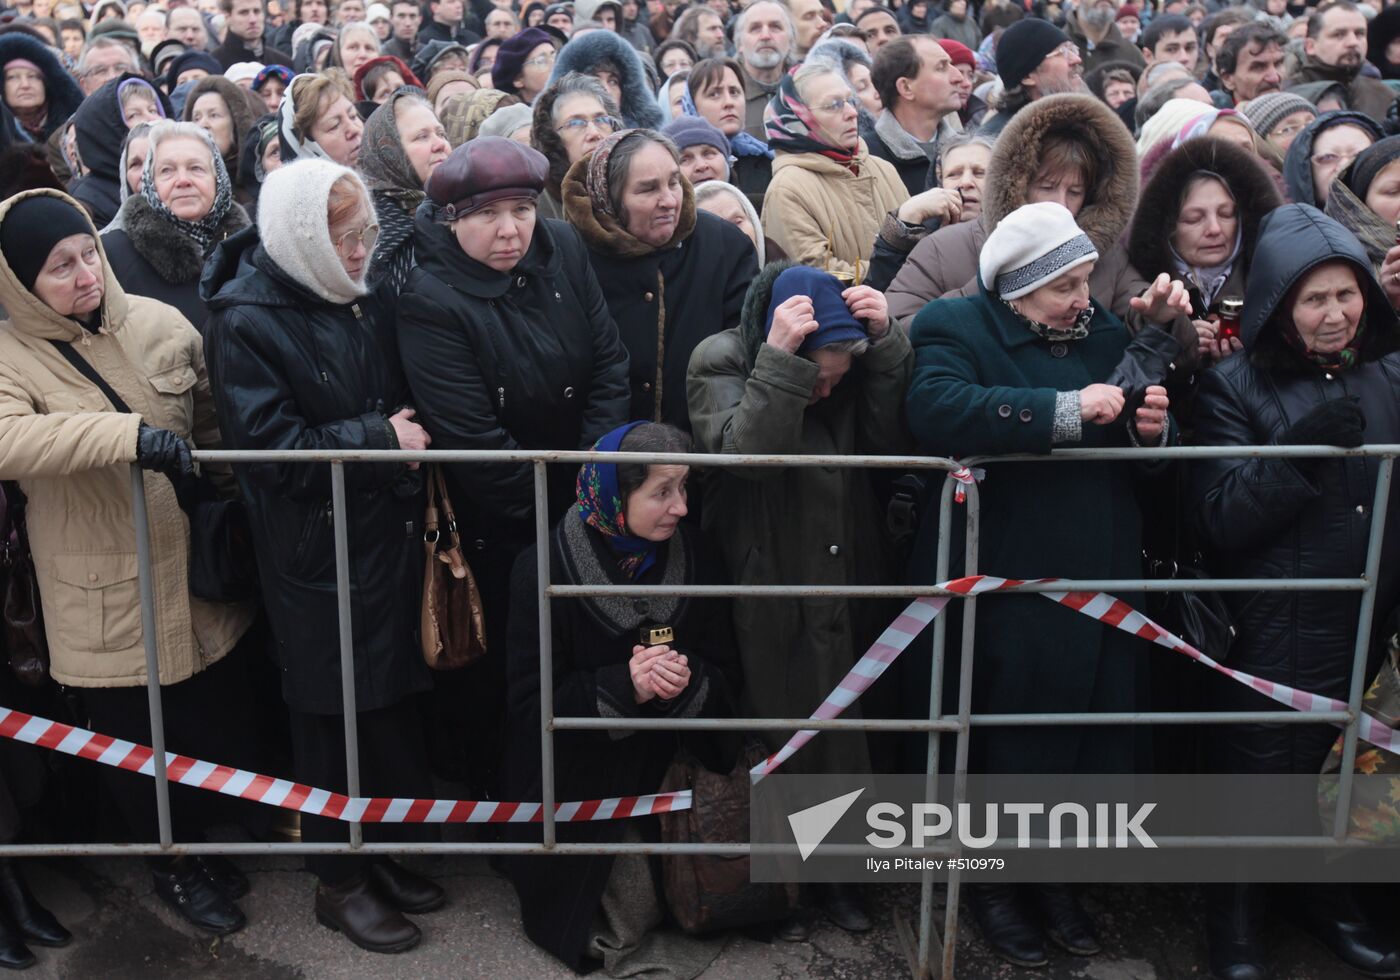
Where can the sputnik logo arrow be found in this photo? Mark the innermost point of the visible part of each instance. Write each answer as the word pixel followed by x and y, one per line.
pixel 810 826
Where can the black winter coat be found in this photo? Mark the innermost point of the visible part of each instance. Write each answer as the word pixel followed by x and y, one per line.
pixel 696 287
pixel 291 371
pixel 151 257
pixel 560 898
pixel 100 131
pixel 525 360
pixel 1276 518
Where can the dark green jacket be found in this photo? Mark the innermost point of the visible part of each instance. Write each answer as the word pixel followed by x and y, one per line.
pixel 984 383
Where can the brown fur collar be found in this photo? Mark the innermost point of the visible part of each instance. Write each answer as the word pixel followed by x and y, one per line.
pixel 175 257
pixel 603 232
pixel 1016 158
pixel 1254 192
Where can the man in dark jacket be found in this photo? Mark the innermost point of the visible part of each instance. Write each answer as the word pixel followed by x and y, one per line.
pixel 1034 59
pixel 1303 379
pixel 244 41
pixel 918 85
pixel 446 23
pixel 1336 52
pixel 1094 31
pixel 403 42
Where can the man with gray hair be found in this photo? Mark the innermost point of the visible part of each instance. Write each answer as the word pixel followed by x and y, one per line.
pixel 103 59
pixel 763 41
pixel 1091 26
pixel 1035 59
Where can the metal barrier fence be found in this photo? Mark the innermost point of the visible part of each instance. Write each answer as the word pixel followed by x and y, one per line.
pixel 934 954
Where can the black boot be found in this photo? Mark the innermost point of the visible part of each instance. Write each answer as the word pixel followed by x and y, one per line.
pixel 1234 931
pixel 14 955
pixel 1066 923
pixel 1005 926
pixel 368 921
pixel 403 889
pixel 1332 915
pixel 188 889
pixel 35 922
pixel 225 875
pixel 843 905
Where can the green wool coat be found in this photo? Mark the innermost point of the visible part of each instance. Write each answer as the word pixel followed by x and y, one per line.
pixel 984 383
pixel 800 526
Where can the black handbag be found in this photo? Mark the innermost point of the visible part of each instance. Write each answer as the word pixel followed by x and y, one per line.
pixel 1200 618
pixel 26 646
pixel 221 563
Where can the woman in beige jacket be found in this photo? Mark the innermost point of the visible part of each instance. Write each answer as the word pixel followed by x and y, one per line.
pixel 828 194
pixel 70 450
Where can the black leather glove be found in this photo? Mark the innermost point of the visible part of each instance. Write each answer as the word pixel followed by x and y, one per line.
pixel 1338 422
pixel 163 451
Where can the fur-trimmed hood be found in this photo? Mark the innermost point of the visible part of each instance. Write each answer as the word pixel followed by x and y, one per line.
pixel 1149 240
pixel 754 316
pixel 1016 158
pixel 639 108
pixel 174 256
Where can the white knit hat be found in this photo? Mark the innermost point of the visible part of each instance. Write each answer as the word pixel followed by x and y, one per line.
pixel 376 11
pixel 293 208
pixel 1031 246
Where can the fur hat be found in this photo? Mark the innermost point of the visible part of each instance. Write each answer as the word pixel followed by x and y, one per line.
pixel 292 224
pixel 1031 246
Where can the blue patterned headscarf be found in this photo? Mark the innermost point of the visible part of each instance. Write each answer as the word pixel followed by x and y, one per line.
pixel 741 144
pixel 600 506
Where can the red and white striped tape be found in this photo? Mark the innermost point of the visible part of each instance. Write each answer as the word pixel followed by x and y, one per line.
pixel 892 642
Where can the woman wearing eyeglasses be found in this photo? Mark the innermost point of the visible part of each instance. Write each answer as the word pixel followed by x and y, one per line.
pixel 301 357
pixel 828 194
pixel 572 116
pixel 507 344
pixel 1324 149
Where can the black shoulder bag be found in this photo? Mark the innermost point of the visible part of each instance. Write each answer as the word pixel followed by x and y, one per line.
pixel 221 566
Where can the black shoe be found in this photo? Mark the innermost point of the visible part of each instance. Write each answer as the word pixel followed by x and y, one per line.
pixel 366 919
pixel 188 889
pixel 1066 923
pixel 36 923
pixel 1333 917
pixel 1005 926
pixel 793 929
pixel 225 875
pixel 1234 931
pixel 14 954
pixel 842 904
pixel 404 890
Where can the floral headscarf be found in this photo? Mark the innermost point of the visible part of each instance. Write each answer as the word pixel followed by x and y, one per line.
pixel 600 506
pixel 792 128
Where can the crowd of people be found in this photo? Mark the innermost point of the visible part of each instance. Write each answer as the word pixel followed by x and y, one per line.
pixel 782 227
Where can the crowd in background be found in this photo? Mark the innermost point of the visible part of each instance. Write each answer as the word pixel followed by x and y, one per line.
pixel 782 227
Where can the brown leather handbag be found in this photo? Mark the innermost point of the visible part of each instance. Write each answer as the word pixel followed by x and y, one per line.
pixel 454 623
pixel 708 892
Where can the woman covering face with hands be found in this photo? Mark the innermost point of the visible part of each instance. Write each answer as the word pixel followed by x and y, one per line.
pixel 1020 368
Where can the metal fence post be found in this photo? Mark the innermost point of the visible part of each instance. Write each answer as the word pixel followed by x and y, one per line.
pixel 1364 620
pixel 546 625
pixel 141 520
pixel 347 642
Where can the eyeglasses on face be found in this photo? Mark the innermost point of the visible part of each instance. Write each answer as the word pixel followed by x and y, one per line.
pixel 579 124
pixel 837 105
pixel 541 60
pixel 351 240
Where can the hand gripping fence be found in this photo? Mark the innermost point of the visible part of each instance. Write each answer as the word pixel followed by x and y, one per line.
pixel 893 641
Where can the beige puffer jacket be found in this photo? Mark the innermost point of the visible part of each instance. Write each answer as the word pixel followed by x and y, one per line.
pixel 70 451
pixel 813 200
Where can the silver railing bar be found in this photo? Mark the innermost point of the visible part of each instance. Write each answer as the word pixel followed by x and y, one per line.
pixel 347 643
pixel 142 523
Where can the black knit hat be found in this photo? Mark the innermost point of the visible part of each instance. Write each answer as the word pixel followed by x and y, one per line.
pixel 1023 46
pixel 31 229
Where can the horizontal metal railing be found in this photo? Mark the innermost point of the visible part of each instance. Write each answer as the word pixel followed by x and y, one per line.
pixel 959 723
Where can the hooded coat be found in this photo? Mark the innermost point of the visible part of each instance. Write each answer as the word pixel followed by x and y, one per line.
pixel 63 94
pixel 291 370
pixel 639 108
pixel 1154 224
pixel 664 300
pixel 944 264
pixel 100 132
pixel 244 109
pixel 986 384
pixel 1297 164
pixel 71 452
pixel 798 526
pixel 1279 518
pixel 1370 96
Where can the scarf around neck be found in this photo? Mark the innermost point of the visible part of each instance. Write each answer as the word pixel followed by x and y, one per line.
pixel 792 128
pixel 1375 235
pixel 1342 360
pixel 1208 278
pixel 741 144
pixel 601 507
pixel 205 230
pixel 1076 331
